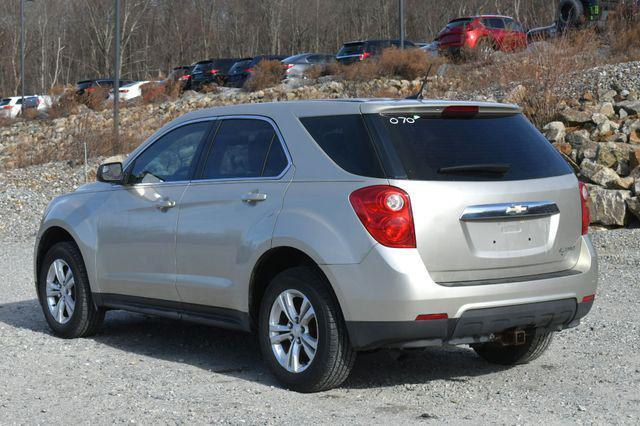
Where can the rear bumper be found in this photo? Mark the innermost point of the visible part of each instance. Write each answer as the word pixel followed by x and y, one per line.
pixel 391 287
pixel 475 325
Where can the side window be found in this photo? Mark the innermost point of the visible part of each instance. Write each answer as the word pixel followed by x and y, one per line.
pixel 344 138
pixel 494 23
pixel 244 148
pixel 169 158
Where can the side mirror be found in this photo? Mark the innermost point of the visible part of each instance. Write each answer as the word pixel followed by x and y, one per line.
pixel 110 173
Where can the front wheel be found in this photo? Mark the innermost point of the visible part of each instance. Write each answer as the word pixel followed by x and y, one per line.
pixel 536 342
pixel 302 334
pixel 65 294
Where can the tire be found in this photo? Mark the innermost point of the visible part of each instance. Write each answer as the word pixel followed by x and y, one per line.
pixel 333 358
pixel 84 319
pixel 536 342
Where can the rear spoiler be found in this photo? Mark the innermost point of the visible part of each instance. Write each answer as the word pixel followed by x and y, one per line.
pixel 483 108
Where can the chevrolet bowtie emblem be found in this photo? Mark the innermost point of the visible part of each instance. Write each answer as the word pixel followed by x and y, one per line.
pixel 517 209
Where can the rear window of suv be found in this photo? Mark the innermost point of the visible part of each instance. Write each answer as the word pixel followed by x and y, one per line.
pixel 351 49
pixel 420 147
pixel 435 148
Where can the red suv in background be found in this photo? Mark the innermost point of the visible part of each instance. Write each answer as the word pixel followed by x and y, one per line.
pixel 486 33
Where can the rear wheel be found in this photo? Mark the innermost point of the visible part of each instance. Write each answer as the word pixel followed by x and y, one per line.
pixel 302 334
pixel 65 295
pixel 536 342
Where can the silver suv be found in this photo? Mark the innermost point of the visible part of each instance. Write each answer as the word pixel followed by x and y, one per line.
pixel 328 228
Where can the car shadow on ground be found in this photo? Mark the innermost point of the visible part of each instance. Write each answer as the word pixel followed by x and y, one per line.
pixel 237 354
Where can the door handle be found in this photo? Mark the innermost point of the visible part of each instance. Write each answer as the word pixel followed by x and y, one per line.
pixel 254 197
pixel 165 205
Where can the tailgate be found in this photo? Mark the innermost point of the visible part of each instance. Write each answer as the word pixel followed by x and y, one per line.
pixel 490 230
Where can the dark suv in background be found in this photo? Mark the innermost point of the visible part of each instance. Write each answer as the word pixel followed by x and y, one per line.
pixel 357 51
pixel 242 70
pixel 89 86
pixel 211 71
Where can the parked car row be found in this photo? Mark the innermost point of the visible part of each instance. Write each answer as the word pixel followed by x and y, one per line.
pixel 482 34
pixel 13 107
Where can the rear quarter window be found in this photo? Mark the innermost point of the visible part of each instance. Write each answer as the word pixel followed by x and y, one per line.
pixel 345 139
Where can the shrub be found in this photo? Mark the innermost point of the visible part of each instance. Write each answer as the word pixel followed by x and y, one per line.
pixel 66 104
pixel 407 64
pixel 153 92
pixel 267 74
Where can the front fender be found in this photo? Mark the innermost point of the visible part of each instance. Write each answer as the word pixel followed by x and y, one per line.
pixel 75 214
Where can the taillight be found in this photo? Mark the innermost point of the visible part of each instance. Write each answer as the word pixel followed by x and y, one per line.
pixel 124 90
pixel 289 66
pixel 248 70
pixel 185 77
pixel 214 72
pixel 584 204
pixel 91 89
pixel 431 317
pixel 589 298
pixel 7 107
pixel 364 55
pixel 385 212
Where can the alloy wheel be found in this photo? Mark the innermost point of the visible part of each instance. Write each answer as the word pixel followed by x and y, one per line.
pixel 293 331
pixel 60 291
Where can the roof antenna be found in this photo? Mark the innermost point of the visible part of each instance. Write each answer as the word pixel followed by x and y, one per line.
pixel 418 95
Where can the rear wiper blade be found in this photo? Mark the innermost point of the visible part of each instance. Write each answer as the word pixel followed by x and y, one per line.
pixel 476 168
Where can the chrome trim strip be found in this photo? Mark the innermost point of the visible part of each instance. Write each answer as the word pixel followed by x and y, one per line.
pixel 527 209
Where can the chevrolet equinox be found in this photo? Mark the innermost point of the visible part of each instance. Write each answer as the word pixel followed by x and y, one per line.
pixel 328 228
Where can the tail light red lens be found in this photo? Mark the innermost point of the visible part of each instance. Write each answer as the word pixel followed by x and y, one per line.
pixel 385 212
pixel 185 77
pixel 584 204
pixel 7 107
pixel 364 55
pixel 288 66
pixel 249 70
pixel 431 317
pixel 124 90
pixel 213 72
pixel 589 298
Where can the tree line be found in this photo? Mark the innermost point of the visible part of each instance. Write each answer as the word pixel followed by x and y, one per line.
pixel 70 40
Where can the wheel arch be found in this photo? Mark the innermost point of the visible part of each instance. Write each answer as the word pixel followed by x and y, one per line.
pixel 271 263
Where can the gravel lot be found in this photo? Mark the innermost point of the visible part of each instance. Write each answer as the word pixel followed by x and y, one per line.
pixel 147 370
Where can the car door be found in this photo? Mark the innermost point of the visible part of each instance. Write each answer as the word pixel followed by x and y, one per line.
pixel 137 224
pixel 497 30
pixel 227 216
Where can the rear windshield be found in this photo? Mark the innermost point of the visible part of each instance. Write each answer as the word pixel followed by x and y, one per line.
pixel 458 23
pixel 203 66
pixel 415 147
pixel 223 64
pixel 351 49
pixel 5 102
pixel 239 67
pixel 84 84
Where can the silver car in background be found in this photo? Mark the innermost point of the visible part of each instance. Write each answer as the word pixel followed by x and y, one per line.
pixel 298 65
pixel 328 228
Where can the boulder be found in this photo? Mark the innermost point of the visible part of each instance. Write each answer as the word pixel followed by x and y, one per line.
pixel 607 110
pixel 578 138
pixel 608 206
pixel 555 131
pixel 604 176
pixel 610 154
pixel 631 107
pixel 634 206
pixel 574 117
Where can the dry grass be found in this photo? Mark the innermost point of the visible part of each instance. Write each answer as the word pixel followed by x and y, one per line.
pixel 541 69
pixel 623 34
pixel 267 74
pixel 153 93
pixel 407 64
